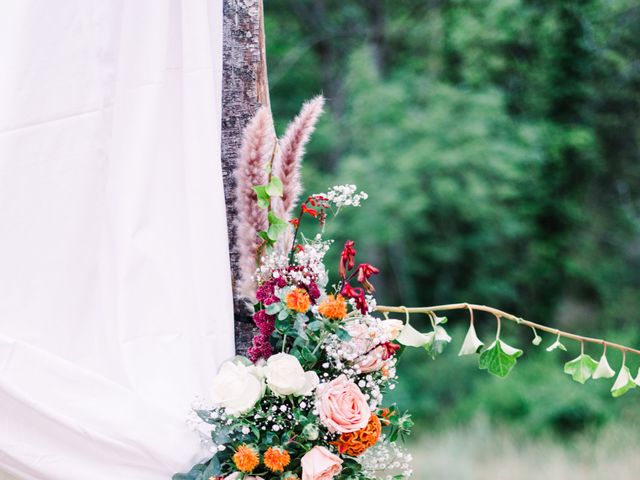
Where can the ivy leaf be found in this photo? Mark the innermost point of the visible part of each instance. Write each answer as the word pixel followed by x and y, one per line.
pixel 472 344
pixel 439 320
pixel 556 345
pixel 277 226
pixel 581 368
pixel 263 196
pixel 623 383
pixel 410 337
pixel 604 370
pixel 437 341
pixel 275 188
pixel 499 358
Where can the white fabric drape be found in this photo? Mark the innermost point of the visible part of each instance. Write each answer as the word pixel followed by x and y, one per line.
pixel 115 298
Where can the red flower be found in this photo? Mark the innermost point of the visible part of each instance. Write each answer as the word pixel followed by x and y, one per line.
pixel 389 350
pixel 347 258
pixel 295 222
pixel 365 271
pixel 357 294
pixel 311 211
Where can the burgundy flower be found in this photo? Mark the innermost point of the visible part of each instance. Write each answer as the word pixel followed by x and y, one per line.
pixel 265 322
pixel 347 258
pixel 261 348
pixel 365 271
pixel 314 291
pixel 265 291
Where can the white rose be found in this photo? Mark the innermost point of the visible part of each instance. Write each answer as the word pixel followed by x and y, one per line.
pixel 237 387
pixel 285 376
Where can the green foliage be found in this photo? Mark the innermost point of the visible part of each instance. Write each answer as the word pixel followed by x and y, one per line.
pixel 581 368
pixel 501 141
pixel 499 358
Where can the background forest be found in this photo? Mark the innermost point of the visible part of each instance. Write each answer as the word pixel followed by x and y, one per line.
pixel 500 141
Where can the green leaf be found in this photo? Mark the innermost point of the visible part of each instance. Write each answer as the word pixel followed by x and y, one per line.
pixel 343 335
pixel 277 226
pixel 263 196
pixel 275 188
pixel 274 308
pixel 499 358
pixel 438 340
pixel 581 368
pixel 315 325
pixel 623 383
pixel 212 470
pixel 283 314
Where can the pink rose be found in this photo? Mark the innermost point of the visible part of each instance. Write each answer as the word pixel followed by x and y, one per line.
pixel 341 406
pixel 320 464
pixel 372 361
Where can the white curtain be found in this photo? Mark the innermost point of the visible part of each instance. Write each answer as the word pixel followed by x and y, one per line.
pixel 115 298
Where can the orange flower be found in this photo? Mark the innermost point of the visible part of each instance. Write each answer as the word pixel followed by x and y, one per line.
pixel 246 458
pixel 276 458
pixel 333 307
pixel 356 443
pixel 298 300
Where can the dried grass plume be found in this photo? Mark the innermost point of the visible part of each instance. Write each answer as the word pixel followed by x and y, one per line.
pixel 255 153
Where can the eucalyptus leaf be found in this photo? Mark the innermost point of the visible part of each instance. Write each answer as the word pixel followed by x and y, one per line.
pixel 499 359
pixel 604 370
pixel 472 344
pixel 581 368
pixel 212 470
pixel 623 383
pixel 274 308
pixel 343 335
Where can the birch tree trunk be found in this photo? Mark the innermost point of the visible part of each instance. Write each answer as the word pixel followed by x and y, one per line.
pixel 244 89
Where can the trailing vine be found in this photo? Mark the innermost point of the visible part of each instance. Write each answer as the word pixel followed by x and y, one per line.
pixel 500 358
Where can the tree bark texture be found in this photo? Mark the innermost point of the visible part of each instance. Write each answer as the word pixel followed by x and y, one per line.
pixel 244 89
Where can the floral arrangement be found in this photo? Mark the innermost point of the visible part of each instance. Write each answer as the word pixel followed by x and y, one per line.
pixel 307 403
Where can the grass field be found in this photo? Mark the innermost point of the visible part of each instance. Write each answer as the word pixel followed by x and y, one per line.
pixel 482 453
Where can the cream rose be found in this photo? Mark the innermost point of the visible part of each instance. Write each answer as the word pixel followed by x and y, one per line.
pixel 341 406
pixel 238 386
pixel 285 376
pixel 320 464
